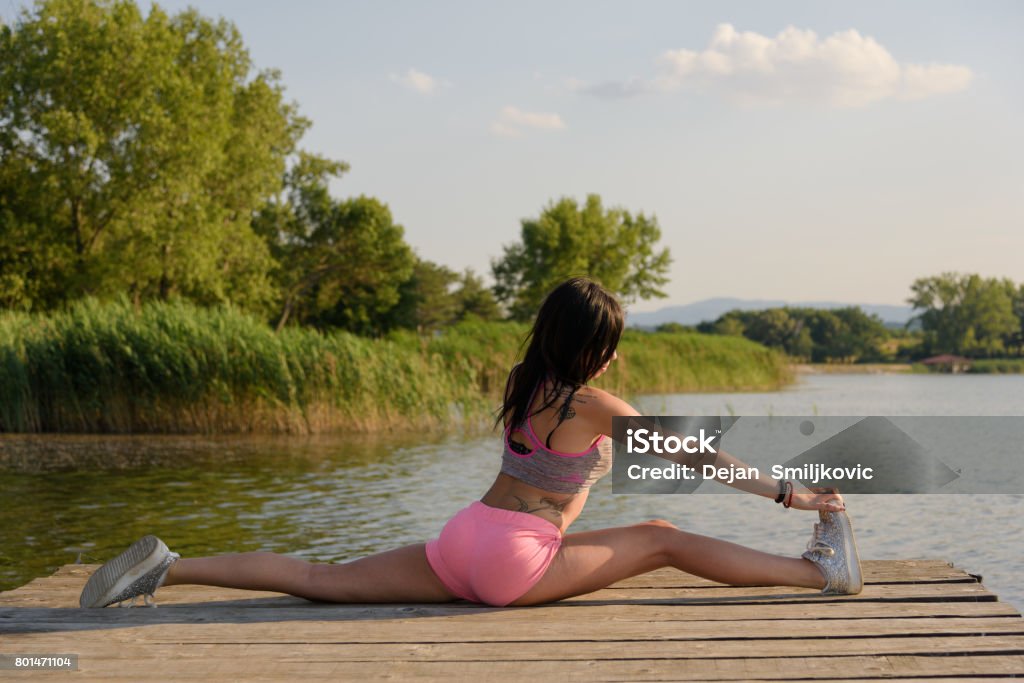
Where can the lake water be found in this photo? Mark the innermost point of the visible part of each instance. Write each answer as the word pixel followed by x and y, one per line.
pixel 334 498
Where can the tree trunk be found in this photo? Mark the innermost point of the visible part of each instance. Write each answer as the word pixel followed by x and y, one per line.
pixel 285 314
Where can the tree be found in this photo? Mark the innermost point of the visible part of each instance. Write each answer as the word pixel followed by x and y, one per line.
pixel 843 334
pixel 612 246
pixel 339 263
pixel 965 314
pixel 436 296
pixel 730 323
pixel 846 334
pixel 988 305
pixel 425 300
pixel 1016 337
pixel 475 300
pixel 133 152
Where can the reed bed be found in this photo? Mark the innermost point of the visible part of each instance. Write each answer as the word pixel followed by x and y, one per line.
pixel 981 366
pixel 674 362
pixel 1009 366
pixel 107 367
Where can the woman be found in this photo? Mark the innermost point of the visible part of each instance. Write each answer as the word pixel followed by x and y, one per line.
pixel 511 546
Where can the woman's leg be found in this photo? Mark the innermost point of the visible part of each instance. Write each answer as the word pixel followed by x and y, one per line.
pixel 592 560
pixel 399 575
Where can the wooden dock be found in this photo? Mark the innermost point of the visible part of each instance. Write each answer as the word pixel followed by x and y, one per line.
pixel 916 619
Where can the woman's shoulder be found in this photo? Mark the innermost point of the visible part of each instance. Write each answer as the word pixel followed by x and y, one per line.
pixel 601 404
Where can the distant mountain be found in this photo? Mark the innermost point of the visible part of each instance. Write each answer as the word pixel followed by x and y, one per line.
pixel 711 309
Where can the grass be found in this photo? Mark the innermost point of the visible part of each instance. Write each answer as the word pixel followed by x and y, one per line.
pixel 178 368
pixel 998 365
pixel 983 366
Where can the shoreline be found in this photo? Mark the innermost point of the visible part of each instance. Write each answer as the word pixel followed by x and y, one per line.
pixel 851 368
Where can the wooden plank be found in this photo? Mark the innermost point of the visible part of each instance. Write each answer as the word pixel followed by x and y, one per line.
pixel 665 625
pixel 752 594
pixel 239 610
pixel 100 647
pixel 83 677
pixel 243 630
pixel 750 669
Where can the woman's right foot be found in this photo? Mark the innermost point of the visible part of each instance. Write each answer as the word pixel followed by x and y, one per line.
pixel 139 570
pixel 834 550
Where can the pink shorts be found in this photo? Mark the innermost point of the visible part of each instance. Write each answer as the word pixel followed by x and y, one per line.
pixel 493 556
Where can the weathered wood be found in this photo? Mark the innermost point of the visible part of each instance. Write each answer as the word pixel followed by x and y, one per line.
pixel 665 625
pixel 239 610
pixel 241 630
pixel 661 669
pixel 553 651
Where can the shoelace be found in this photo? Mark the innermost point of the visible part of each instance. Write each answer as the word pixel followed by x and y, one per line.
pixel 818 544
pixel 145 599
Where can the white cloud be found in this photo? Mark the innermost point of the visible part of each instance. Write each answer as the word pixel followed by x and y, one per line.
pixel 417 80
pixel 922 80
pixel 512 121
pixel 845 69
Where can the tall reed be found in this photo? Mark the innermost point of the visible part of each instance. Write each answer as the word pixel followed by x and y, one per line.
pixel 175 367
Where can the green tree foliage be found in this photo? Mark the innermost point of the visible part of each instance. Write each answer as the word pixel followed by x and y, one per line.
pixel 612 246
pixel 775 328
pixel 728 324
pixel 133 152
pixel 474 300
pixel 967 314
pixel 436 296
pixel 425 300
pixel 845 334
pixel 340 263
pixel 1015 339
pixel 819 335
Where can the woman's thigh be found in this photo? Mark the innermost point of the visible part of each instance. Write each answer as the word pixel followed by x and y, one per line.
pixel 399 575
pixel 591 560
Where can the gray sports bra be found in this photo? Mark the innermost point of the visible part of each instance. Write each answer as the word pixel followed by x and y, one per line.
pixel 553 470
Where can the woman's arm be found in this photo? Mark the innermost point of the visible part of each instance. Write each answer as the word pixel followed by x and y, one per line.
pixel 803 498
pixel 608 406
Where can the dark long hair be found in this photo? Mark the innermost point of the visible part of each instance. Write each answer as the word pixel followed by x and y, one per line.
pixel 576 331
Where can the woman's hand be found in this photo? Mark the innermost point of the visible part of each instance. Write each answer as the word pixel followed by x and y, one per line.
pixel 827 499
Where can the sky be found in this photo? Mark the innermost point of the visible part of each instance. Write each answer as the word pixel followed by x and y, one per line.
pixel 789 150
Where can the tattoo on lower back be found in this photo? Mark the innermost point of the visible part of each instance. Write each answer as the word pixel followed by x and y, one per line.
pixel 542 504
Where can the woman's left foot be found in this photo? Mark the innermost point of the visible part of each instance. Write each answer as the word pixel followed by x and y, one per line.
pixel 834 550
pixel 139 570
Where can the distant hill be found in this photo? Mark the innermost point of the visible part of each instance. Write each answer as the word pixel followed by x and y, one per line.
pixel 711 309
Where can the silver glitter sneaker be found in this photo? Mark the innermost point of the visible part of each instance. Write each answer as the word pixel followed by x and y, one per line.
pixel 140 570
pixel 834 549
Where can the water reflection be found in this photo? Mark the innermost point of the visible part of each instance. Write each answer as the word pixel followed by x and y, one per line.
pixel 326 498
